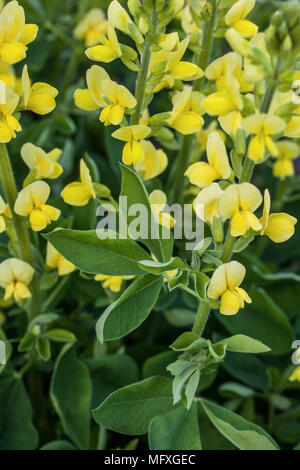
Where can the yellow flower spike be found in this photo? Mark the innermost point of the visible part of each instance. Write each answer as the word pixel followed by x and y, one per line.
pixel 153 162
pixel 225 285
pixel 80 192
pixel 231 122
pixel 15 34
pixel 31 202
pixel 45 164
pixel 3 211
pixel 92 98
pixel 109 49
pixel 91 26
pixel 206 203
pixel 287 152
pixel 295 375
pixel 279 227
pixel 133 150
pixel 158 200
pixel 121 99
pixel 9 125
pixel 186 113
pixel 235 18
pixel 114 283
pixel 262 126
pixel 15 276
pixel 39 97
pixel 55 260
pixel 202 174
pixel 238 202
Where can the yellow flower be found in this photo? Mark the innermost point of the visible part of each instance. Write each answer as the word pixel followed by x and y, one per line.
pixel 7 75
pixel 79 193
pixel 31 202
pixel 238 202
pixel 158 200
pixel 287 151
pixel 120 99
pixel 45 164
pixel 9 125
pixel 188 24
pixel 262 126
pixel 109 49
pixel 207 201
pixel 3 211
pixel 176 69
pixel 55 260
pixel 295 375
pixel 292 129
pixel 15 276
pixel 39 97
pixel 231 122
pixel 203 134
pixel 119 17
pixel 225 284
pixel 15 34
pixel 237 42
pixel 114 283
pixel 153 162
pixel 92 98
pixel 133 149
pixel 186 113
pixel 235 18
pixel 279 227
pixel 203 174
pixel 91 26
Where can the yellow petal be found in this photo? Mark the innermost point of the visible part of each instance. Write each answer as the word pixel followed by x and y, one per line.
pixel 76 194
pixel 217 155
pixel 38 220
pixel 250 197
pixel 238 225
pixel 84 100
pixel 86 179
pixel 188 122
pixel 202 174
pixel 229 202
pixel 218 283
pixel 102 53
pixel 230 303
pixel 281 227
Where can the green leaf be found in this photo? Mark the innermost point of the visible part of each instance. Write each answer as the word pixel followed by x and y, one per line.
pixel 176 430
pixel 180 318
pixel 188 341
pixel 71 396
pixel 134 189
pixel 130 409
pixel 157 365
pixel 129 310
pixel 109 373
pixel 113 257
pixel 243 434
pixel 263 320
pixel 243 344
pixel 17 431
pixel 59 335
pixel 249 369
pixel 58 445
pixel 155 267
pixel 200 282
pixel 43 348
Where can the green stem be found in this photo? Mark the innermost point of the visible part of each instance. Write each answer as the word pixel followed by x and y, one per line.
pixel 141 81
pixel 56 292
pixel 70 70
pixel 228 246
pixel 182 163
pixel 247 170
pixel 201 318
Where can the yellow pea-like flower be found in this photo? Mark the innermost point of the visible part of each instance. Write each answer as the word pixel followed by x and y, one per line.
pixel 225 285
pixel 31 202
pixel 202 174
pixel 7 75
pixel 235 18
pixel 188 24
pixel 114 283
pixel 15 276
pixel 186 113
pixel 79 193
pixel 287 152
pixel 202 135
pixel 45 164
pixel 238 202
pixel 292 129
pixel 133 150
pixel 239 44
pixel 153 162
pixel 158 201
pixel 262 126
pixel 55 260
pixel 231 122
pixel 15 34
pixel 223 102
pixel 295 375
pixel 279 227
pixel 120 99
pixel 4 210
pixel 92 97
pixel 207 202
pixel 176 69
pixel 39 97
pixel 9 125
pixel 108 50
pixel 92 25
pixel 119 17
